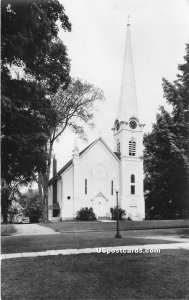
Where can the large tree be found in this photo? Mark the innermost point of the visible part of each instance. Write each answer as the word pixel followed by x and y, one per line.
pixel 30 43
pixel 166 155
pixel 74 107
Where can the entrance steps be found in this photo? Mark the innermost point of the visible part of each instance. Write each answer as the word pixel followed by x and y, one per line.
pixel 55 219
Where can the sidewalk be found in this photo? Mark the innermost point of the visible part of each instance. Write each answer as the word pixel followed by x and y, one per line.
pixel 184 246
pixel 33 229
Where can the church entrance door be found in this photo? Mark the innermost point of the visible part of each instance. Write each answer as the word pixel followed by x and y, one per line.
pixel 100 207
pixel 133 211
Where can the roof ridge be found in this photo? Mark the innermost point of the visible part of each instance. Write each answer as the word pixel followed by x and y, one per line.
pixel 69 163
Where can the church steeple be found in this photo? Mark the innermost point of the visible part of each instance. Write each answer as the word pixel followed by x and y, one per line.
pixel 128 98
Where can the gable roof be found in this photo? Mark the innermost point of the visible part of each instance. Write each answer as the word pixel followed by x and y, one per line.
pixel 70 162
pixel 67 165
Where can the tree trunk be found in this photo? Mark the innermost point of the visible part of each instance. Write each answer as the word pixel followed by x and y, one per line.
pixel 44 186
pixel 40 186
pixel 44 179
pixel 5 192
pixel 4 204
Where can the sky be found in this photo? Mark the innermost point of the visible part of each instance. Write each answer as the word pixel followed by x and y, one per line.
pixel 159 32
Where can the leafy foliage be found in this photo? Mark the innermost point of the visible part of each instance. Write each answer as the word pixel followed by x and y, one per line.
pixel 166 155
pixel 121 213
pixel 25 128
pixel 30 44
pixel 75 106
pixel 86 214
pixel 9 194
pixel 15 212
pixel 32 207
pixel 28 29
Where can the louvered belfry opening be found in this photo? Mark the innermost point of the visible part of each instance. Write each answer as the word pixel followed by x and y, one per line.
pixel 132 147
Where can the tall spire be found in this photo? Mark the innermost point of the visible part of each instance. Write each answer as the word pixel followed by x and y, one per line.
pixel 128 99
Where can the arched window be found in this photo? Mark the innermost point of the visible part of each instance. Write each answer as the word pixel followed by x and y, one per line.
pixel 132 147
pixel 132 178
pixel 132 184
pixel 118 146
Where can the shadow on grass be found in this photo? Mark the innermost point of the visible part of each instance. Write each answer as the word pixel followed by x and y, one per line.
pixel 7 229
pixel 184 233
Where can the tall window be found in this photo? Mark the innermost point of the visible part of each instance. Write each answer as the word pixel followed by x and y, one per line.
pixel 132 147
pixel 85 186
pixel 118 146
pixel 132 189
pixel 112 187
pixel 132 184
pixel 132 178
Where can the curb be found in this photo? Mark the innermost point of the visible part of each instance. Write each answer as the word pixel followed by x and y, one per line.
pixel 114 229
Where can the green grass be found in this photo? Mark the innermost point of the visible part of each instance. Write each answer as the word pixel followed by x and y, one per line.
pixel 124 225
pixel 17 244
pixel 98 276
pixel 7 229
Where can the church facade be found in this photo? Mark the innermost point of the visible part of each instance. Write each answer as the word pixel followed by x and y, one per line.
pixel 92 176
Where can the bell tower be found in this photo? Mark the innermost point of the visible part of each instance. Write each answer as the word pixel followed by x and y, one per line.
pixel 128 139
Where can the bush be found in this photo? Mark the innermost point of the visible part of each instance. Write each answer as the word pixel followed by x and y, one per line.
pixel 12 213
pixel 15 212
pixel 113 211
pixel 86 214
pixel 32 207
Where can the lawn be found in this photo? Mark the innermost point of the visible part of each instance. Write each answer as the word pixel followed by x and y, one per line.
pixel 17 244
pixel 98 276
pixel 124 225
pixel 7 229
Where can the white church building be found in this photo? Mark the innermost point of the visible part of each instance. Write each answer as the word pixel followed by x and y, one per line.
pixel 91 177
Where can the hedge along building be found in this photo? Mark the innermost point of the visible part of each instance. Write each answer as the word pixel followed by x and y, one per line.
pixel 90 177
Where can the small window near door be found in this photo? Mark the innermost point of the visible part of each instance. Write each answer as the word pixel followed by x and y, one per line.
pixel 112 187
pixel 132 184
pixel 85 186
pixel 132 189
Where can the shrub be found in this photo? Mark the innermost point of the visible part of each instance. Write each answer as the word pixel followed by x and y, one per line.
pixel 33 210
pixel 86 214
pixel 12 213
pixel 32 207
pixel 113 211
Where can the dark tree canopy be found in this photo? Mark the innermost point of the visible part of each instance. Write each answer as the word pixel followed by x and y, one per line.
pixel 28 28
pixel 30 42
pixel 166 153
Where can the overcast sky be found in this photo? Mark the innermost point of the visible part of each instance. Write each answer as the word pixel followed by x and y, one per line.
pixel 159 32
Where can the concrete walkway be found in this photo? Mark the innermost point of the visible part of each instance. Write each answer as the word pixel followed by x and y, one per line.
pixel 105 250
pixel 33 229
pixel 173 238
